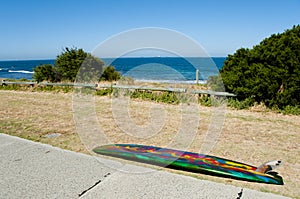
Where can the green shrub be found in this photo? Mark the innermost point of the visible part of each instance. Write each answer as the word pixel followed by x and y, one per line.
pixel 110 74
pixel 76 64
pixel 268 73
pixel 240 104
pixel 208 100
pixel 104 92
pixel 45 72
pixel 164 97
pixel 72 64
pixel 205 100
pixel 293 110
pixel 168 97
pixel 10 87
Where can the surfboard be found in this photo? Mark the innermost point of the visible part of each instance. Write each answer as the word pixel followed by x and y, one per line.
pixel 193 162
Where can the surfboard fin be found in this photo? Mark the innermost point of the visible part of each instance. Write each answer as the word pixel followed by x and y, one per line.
pixel 269 166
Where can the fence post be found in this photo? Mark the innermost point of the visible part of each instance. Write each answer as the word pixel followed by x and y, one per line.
pixel 197 76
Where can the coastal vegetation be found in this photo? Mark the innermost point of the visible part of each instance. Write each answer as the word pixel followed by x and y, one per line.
pixel 269 73
pixel 75 65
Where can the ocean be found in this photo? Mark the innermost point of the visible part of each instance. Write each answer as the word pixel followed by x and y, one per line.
pixel 157 69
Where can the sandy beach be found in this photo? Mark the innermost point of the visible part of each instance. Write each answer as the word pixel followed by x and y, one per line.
pixel 250 136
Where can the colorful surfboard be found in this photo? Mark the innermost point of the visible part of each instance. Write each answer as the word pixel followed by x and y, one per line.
pixel 193 162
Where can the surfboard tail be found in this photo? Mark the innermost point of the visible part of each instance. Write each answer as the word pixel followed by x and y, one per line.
pixel 269 166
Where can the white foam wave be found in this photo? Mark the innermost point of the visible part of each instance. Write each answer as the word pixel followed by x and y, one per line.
pixel 20 71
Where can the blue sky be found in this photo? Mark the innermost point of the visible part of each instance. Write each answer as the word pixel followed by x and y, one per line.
pixel 40 29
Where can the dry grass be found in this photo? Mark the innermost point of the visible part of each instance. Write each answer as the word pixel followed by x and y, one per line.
pixel 33 115
pixel 248 136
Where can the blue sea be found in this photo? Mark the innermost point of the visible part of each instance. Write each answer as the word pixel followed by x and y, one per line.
pixel 159 69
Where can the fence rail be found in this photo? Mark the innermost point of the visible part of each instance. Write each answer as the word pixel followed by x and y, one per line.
pixel 129 87
pixel 48 84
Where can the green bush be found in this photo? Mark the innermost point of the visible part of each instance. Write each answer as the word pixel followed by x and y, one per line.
pixel 75 64
pixel 168 97
pixel 72 64
pixel 205 100
pixel 293 110
pixel 104 92
pixel 164 97
pixel 240 104
pixel 145 95
pixel 45 72
pixel 268 73
pixel 10 87
pixel 110 74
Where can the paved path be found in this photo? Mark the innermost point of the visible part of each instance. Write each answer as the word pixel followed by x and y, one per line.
pixel 34 170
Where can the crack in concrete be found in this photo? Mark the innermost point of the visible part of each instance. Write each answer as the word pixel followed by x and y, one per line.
pixel 82 193
pixel 91 187
pixel 240 194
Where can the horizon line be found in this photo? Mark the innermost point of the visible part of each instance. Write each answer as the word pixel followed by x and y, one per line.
pixel 41 59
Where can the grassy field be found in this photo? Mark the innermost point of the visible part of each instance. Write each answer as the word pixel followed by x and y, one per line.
pixel 250 136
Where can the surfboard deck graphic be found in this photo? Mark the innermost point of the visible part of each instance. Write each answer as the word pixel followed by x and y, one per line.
pixel 193 162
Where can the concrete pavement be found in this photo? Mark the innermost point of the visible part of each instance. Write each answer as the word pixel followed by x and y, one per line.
pixel 34 170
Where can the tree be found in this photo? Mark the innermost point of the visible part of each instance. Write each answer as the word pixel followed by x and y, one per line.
pixel 45 72
pixel 72 64
pixel 110 74
pixel 71 60
pixel 269 72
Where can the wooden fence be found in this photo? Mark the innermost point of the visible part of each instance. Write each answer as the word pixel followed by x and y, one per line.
pixel 129 87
